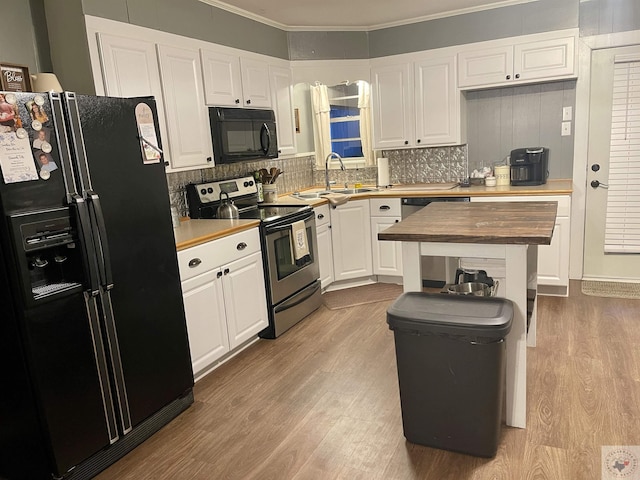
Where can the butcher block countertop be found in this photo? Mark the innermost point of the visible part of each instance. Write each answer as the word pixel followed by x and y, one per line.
pixel 552 187
pixel 514 223
pixel 194 232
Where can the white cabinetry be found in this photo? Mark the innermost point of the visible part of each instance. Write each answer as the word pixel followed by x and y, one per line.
pixel 222 79
pixel 325 249
pixel 130 69
pixel 392 105
pixel 416 102
pixel 351 240
pixel 553 260
pixel 439 115
pixel 387 256
pixel 234 81
pixel 185 112
pixel 216 277
pixel 282 101
pixel 501 63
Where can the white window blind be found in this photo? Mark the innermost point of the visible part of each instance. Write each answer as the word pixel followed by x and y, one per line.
pixel 622 232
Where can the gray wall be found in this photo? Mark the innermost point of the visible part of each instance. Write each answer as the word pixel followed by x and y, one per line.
pixel 535 17
pixel 328 45
pixel 609 16
pixel 503 119
pixel 194 19
pixel 23 36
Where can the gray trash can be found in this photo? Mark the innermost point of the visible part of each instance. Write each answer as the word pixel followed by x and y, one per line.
pixel 450 353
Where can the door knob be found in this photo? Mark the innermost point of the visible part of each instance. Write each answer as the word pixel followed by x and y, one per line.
pixel 596 184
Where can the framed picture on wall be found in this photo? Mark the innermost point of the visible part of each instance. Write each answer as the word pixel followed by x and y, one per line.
pixel 14 78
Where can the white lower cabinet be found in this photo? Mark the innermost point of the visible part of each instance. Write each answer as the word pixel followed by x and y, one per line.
pixel 553 260
pixel 224 296
pixel 351 240
pixel 325 249
pixel 387 256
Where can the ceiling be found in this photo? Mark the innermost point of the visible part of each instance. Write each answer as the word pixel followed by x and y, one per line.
pixel 359 15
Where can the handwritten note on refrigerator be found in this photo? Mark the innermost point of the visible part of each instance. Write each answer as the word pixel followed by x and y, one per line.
pixel 16 159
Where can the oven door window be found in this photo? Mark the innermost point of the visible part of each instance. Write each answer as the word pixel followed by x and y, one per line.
pixel 285 263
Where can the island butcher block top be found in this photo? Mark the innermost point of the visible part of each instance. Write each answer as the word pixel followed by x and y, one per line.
pixel 514 223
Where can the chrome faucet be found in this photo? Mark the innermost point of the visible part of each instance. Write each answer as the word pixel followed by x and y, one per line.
pixel 327 186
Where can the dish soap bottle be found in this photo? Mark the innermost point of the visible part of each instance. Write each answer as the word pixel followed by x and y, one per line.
pixel 256 176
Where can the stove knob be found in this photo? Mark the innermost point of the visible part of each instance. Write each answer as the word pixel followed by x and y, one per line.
pixel 246 184
pixel 210 190
pixel 203 191
pixel 251 183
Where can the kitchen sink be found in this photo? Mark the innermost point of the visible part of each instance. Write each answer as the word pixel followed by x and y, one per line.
pixel 351 191
pixel 310 195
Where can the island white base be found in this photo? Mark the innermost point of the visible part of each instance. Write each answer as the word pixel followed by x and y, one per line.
pixel 521 274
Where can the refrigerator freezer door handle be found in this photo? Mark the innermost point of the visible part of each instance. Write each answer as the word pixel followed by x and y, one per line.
pixel 87 247
pixel 106 276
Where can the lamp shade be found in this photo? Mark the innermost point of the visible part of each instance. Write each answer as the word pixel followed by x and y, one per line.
pixel 45 82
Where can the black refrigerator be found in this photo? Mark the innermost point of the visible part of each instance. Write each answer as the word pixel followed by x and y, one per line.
pixel 94 355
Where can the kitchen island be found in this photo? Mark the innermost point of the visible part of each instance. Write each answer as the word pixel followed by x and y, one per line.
pixel 510 231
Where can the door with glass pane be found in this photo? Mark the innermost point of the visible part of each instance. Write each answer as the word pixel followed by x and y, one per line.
pixel 612 218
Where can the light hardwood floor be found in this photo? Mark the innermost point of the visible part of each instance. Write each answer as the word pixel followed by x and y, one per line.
pixel 322 402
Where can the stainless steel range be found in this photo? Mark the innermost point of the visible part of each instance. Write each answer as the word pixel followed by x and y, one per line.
pixel 293 285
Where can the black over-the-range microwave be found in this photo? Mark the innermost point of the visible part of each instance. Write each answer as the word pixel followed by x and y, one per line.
pixel 242 134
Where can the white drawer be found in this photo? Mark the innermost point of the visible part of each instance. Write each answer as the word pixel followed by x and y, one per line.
pixel 202 258
pixel 385 207
pixel 322 215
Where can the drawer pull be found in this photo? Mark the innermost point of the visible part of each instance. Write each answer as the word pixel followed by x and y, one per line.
pixel 385 207
pixel 241 246
pixel 320 216
pixel 194 262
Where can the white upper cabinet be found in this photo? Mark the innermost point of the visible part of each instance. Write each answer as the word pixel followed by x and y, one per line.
pixel 222 79
pixel 437 101
pixel 536 59
pixel 392 105
pixel 282 101
pixel 255 83
pixel 130 69
pixel 417 103
pixel 231 80
pixel 185 110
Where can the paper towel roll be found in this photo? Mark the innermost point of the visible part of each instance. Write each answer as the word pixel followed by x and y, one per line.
pixel 383 172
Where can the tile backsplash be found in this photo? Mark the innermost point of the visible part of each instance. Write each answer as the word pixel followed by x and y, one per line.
pixel 418 165
pixel 297 174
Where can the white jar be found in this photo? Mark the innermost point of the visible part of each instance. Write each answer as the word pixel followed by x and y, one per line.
pixel 490 181
pixel 503 175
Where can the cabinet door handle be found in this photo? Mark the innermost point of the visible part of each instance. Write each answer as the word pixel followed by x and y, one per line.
pixel 517 75
pixel 406 142
pixel 194 262
pixel 508 77
pixel 418 141
pixel 385 207
pixel 226 271
pixel 218 275
pixel 249 102
pixel 241 246
pixel 397 220
pixel 320 216
pixel 237 100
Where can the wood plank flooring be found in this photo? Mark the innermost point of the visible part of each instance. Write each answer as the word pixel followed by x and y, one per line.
pixel 321 402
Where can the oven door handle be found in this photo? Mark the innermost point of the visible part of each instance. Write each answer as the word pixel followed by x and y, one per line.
pixel 281 228
pixel 309 291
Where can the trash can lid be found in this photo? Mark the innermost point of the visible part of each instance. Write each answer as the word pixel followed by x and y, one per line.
pixel 439 313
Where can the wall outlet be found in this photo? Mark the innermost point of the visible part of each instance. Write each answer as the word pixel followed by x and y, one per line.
pixel 566 129
pixel 567 114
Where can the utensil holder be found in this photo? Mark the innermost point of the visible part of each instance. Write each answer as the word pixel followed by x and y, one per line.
pixel 270 193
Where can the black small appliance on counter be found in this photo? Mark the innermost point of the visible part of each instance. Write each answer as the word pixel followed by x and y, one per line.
pixel 529 166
